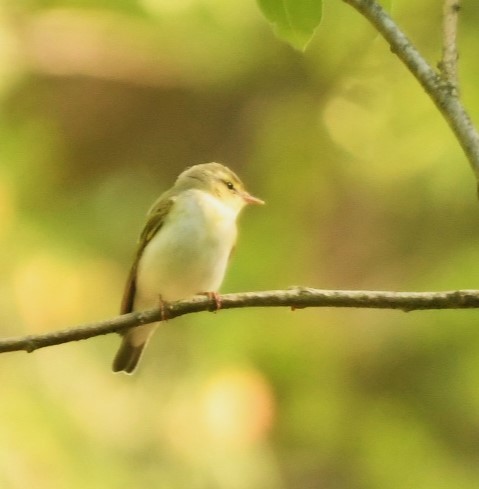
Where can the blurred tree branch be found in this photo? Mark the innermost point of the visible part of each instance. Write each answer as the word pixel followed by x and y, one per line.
pixel 295 298
pixel 441 87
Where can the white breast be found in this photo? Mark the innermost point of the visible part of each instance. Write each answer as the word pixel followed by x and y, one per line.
pixel 190 253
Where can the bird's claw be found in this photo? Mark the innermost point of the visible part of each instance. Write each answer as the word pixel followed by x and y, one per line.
pixel 213 296
pixel 162 304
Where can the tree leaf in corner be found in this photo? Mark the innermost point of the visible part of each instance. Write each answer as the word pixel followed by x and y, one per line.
pixel 294 21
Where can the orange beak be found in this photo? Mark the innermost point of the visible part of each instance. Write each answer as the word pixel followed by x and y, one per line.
pixel 249 199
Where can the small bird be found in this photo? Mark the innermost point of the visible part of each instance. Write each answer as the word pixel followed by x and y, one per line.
pixel 183 249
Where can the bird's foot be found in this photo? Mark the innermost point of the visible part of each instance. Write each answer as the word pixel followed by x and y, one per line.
pixel 213 296
pixel 163 305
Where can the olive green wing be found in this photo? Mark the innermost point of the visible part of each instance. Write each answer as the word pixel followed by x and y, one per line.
pixel 155 221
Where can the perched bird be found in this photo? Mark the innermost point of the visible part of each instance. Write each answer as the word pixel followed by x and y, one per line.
pixel 183 249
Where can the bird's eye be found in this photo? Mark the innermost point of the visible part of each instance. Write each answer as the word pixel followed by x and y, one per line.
pixel 230 185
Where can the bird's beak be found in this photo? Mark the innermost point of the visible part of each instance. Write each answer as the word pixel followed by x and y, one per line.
pixel 249 199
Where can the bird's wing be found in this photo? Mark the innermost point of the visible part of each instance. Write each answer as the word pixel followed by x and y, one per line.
pixel 156 219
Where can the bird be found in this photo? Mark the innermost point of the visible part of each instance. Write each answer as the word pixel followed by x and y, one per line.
pixel 183 250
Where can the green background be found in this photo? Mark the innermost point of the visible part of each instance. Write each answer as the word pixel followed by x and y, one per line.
pixel 103 103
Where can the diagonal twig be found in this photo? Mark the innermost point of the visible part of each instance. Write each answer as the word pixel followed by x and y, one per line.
pixel 448 63
pixel 439 89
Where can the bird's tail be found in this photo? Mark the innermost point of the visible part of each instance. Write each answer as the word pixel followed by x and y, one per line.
pixel 131 348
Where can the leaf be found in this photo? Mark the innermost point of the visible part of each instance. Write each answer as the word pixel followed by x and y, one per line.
pixel 294 21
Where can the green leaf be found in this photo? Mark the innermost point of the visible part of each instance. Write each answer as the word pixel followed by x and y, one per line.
pixel 294 21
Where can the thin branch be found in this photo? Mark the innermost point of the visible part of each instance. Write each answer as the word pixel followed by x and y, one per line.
pixel 295 298
pixel 448 64
pixel 440 91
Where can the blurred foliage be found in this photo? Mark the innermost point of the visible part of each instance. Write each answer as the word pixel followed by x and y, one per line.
pixel 103 103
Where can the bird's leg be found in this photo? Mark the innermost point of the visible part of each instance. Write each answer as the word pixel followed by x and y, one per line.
pixel 162 304
pixel 213 296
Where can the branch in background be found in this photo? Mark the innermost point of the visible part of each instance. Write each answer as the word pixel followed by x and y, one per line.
pixel 448 64
pixel 441 92
pixel 295 298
